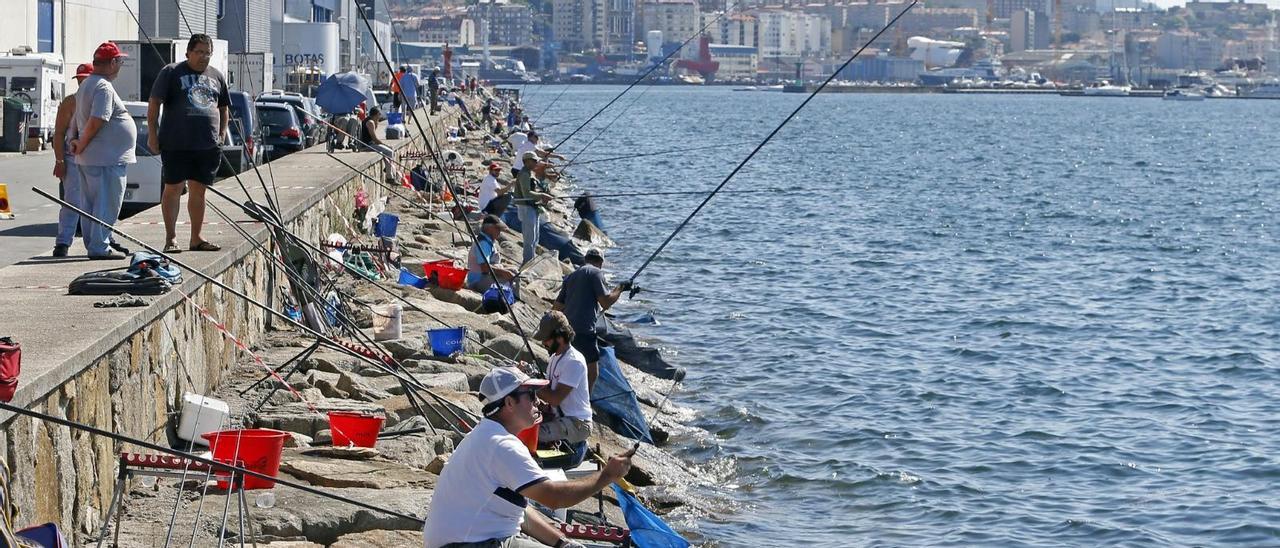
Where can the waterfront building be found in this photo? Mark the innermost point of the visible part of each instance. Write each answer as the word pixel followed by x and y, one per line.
pixel 736 62
pixel 71 28
pixel 676 19
pixel 580 25
pixel 509 24
pixel 793 34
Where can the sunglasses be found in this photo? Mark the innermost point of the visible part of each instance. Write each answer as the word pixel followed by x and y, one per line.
pixel 532 393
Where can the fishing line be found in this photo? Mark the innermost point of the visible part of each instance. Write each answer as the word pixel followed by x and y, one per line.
pixel 5 406
pixel 606 127
pixel 646 74
pixel 666 193
pixel 549 105
pixel 429 136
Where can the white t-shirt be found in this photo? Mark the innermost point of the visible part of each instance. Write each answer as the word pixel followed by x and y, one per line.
pixel 488 190
pixel 570 369
pixel 526 146
pixel 478 495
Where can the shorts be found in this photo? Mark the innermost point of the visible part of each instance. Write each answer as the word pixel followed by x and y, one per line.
pixel 588 345
pixel 564 428
pixel 189 165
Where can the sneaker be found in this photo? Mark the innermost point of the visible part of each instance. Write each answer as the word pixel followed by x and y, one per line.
pixel 60 250
pixel 107 257
pixel 116 246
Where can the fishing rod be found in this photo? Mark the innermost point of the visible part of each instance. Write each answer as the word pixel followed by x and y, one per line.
pixel 121 438
pixel 646 154
pixel 429 137
pixel 646 74
pixel 345 348
pixel 664 193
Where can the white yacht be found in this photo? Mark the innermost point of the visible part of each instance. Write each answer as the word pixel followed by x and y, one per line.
pixel 1183 94
pixel 1104 88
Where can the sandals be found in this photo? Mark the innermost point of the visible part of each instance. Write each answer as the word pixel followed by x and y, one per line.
pixel 206 246
pixel 172 248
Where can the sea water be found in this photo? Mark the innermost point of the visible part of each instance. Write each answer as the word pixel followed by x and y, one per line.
pixel 961 320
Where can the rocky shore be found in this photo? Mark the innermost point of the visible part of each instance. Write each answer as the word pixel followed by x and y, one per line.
pixel 400 472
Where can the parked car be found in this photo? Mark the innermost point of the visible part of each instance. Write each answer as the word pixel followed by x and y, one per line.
pixel 282 132
pixel 142 179
pixel 244 122
pixel 312 129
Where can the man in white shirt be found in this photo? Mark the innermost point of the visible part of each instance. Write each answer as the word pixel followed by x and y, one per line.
pixel 491 188
pixel 568 392
pixel 480 499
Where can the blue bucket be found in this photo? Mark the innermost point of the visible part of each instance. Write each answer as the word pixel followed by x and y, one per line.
pixel 394 118
pixel 446 342
pixel 385 225
pixel 412 280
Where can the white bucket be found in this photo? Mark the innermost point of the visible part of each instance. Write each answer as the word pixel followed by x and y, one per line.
pixel 201 415
pixel 386 321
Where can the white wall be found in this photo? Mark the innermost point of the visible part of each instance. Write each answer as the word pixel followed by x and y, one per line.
pixel 89 23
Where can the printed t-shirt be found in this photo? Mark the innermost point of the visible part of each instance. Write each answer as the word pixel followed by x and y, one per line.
pixel 190 119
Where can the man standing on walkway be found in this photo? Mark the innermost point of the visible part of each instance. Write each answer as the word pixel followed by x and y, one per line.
pixel 64 167
pixel 409 85
pixel 481 499
pixel 433 87
pixel 196 109
pixel 583 297
pixel 103 149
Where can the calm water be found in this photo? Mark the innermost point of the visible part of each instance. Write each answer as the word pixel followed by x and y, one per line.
pixel 977 320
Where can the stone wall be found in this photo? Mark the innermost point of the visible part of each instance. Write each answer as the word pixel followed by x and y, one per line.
pixel 67 477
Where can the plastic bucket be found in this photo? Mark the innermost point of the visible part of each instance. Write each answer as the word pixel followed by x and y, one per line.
pixel 358 429
pixel 259 449
pixel 394 118
pixel 447 275
pixel 385 225
pixel 409 279
pixel 529 436
pixel 446 342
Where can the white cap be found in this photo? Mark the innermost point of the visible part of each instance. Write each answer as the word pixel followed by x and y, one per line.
pixel 502 381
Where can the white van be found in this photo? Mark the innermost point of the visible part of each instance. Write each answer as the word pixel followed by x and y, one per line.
pixel 36 79
pixel 142 185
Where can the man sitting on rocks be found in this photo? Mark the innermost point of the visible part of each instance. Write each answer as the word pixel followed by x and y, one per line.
pixel 582 297
pixel 567 394
pixel 480 499
pixel 485 257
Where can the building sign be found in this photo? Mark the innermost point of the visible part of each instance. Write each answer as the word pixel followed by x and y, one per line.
pixel 309 47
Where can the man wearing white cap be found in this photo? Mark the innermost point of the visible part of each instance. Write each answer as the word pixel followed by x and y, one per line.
pixel 480 499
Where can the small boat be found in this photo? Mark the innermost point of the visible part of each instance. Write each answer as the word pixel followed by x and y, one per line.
pixel 1104 88
pixel 748 88
pixel 1179 94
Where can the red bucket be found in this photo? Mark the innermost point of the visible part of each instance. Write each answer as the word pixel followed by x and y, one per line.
pixel 358 429
pixel 259 449
pixel 447 275
pixel 529 436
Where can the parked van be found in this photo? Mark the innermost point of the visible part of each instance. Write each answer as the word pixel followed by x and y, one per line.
pixel 35 79
pixel 142 179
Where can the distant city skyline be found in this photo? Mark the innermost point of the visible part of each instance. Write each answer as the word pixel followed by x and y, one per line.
pixel 1273 4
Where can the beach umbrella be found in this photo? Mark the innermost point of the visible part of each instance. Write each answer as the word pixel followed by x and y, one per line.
pixel 341 92
pixel 647 529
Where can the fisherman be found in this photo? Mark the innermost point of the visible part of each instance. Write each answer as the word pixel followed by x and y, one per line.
pixel 197 106
pixel 485 258
pixel 103 148
pixel 369 137
pixel 531 199
pixel 409 84
pixel 395 89
pixel 568 396
pixel 480 499
pixel 486 113
pixel 64 167
pixel 433 87
pixel 583 297
pixel 494 196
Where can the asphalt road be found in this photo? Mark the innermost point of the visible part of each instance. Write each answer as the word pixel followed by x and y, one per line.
pixel 31 232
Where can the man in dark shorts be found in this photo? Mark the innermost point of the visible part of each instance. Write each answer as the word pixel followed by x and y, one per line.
pixel 196 109
pixel 582 298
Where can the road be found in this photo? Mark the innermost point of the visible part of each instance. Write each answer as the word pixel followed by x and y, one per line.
pixel 31 232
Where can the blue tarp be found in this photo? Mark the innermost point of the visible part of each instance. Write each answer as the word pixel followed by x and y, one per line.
pixel 614 401
pixel 647 529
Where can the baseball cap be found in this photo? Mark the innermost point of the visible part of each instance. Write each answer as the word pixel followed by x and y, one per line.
pixel 108 51
pixel 84 70
pixel 594 253
pixel 495 167
pixel 502 381
pixel 551 322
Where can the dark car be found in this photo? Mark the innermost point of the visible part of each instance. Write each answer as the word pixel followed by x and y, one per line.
pixel 312 129
pixel 281 130
pixel 244 123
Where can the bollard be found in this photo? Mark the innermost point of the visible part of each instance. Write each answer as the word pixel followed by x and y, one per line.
pixel 5 211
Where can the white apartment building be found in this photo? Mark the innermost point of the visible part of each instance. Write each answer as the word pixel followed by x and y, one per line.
pixel 71 28
pixel 793 34
pixel 677 19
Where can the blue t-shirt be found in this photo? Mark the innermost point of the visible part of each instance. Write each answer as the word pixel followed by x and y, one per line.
pixel 409 85
pixel 482 253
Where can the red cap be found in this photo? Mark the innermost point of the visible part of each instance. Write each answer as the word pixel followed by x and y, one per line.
pixel 495 167
pixel 107 51
pixel 84 70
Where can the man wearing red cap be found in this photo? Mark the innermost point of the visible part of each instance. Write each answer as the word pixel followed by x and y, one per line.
pixel 64 167
pixel 103 148
pixel 196 105
pixel 491 189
